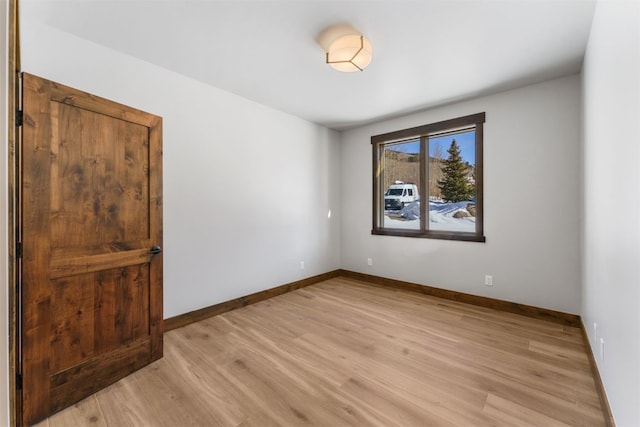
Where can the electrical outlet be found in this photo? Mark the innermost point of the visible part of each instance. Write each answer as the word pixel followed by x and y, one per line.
pixel 488 280
pixel 301 265
pixel 601 348
pixel 369 262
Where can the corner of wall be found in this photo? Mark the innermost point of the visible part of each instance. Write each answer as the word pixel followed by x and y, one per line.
pixel 4 327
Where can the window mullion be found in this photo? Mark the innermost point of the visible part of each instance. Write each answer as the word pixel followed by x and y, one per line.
pixel 424 183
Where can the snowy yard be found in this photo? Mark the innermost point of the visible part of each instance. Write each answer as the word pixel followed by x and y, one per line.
pixel 440 217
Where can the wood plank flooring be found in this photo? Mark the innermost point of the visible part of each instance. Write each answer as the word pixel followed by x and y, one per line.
pixel 345 353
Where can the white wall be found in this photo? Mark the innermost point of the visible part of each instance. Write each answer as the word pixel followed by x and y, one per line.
pixel 611 202
pixel 247 188
pixel 4 326
pixel 531 203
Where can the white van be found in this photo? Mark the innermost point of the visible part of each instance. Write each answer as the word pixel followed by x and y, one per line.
pixel 400 194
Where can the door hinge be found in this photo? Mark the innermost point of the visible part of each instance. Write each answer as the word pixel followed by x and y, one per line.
pixel 19 381
pixel 19 250
pixel 19 117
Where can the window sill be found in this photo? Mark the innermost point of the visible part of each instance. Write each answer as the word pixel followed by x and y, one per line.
pixel 442 235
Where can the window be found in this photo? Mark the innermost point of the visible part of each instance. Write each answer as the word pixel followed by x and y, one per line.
pixel 427 181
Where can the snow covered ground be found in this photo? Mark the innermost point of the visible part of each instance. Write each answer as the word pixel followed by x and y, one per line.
pixel 440 217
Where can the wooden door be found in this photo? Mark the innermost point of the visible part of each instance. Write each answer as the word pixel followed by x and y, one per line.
pixel 91 285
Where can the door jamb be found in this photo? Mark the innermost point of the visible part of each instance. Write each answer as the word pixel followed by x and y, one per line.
pixel 13 160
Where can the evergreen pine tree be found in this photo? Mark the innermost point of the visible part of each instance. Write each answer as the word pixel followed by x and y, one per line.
pixel 454 185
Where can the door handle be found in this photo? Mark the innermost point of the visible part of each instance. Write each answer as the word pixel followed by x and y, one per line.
pixel 155 250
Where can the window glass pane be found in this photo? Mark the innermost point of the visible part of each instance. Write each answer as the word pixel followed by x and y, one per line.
pixel 400 164
pixel 452 191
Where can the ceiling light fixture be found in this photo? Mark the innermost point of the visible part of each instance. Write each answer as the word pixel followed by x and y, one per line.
pixel 349 53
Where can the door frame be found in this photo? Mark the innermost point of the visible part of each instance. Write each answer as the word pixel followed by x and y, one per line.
pixel 13 163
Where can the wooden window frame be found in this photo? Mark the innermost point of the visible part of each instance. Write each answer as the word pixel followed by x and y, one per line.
pixel 422 133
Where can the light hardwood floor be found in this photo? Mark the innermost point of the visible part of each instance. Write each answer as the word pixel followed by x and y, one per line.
pixel 346 353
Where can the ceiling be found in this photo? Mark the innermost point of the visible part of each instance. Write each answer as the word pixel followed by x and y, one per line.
pixel 425 53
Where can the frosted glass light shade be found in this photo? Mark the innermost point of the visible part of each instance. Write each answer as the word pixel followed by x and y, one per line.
pixel 349 53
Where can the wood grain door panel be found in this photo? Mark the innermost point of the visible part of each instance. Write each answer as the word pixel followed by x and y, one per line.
pixel 91 212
